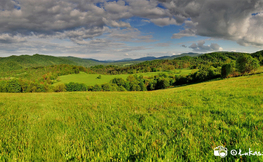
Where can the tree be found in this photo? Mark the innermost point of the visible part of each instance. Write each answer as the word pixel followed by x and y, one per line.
pixel 165 83
pixel 246 63
pixel 142 86
pixel 3 85
pixel 118 81
pixel 59 87
pixel 131 78
pixel 226 70
pixel 121 88
pixel 135 86
pixel 260 59
pixel 127 86
pixel 97 88
pixel 106 87
pixel 154 69
pixel 13 86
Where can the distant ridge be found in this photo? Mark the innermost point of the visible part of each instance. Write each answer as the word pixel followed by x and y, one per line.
pixel 27 61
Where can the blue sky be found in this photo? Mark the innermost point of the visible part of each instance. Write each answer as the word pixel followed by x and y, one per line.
pixel 114 30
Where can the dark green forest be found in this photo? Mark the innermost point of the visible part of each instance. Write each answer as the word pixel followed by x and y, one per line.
pixel 38 73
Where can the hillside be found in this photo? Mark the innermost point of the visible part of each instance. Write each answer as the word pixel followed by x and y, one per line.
pixel 179 124
pixel 26 61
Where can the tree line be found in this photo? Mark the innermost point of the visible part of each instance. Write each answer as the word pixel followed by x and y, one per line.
pixel 213 66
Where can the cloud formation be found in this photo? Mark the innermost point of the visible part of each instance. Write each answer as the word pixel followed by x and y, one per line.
pixel 232 20
pixel 200 47
pixel 96 26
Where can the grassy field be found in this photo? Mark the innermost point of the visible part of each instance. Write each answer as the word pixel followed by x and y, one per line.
pixel 179 124
pixel 91 79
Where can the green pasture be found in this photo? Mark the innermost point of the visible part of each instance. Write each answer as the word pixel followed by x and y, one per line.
pixel 179 124
pixel 91 79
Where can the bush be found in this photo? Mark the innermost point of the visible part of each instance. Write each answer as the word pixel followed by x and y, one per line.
pixel 115 87
pixel 13 86
pixel 3 85
pixel 152 84
pixel 60 87
pixel 246 63
pixel 121 88
pixel 143 86
pixel 106 87
pixel 99 77
pixel 127 86
pixel 89 88
pixel 135 87
pixel 97 88
pixel 182 79
pixel 163 75
pixel 118 81
pixel 226 70
pixel 76 87
pixel 165 83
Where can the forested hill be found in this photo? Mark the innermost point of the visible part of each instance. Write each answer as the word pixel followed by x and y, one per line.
pixel 26 61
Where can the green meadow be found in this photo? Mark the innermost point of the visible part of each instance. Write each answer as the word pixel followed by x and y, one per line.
pixel 178 124
pixel 91 79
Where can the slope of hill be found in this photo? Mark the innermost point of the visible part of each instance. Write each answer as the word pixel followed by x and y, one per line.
pixel 26 61
pixel 259 56
pixel 180 124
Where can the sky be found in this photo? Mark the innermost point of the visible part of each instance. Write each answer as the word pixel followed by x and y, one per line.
pixel 121 29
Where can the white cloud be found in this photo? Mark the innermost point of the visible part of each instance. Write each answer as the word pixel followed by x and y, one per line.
pixel 224 19
pixel 164 21
pixel 99 27
pixel 7 38
pixel 200 47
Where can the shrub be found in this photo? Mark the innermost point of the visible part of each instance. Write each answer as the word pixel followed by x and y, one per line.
pixel 135 87
pixel 13 86
pixel 182 79
pixel 76 87
pixel 143 86
pixel 97 88
pixel 99 77
pixel 3 85
pixel 60 87
pixel 164 75
pixel 127 86
pixel 121 88
pixel 114 87
pixel 212 72
pixel 154 69
pixel 131 78
pixel 226 70
pixel 89 88
pixel 165 83
pixel 246 63
pixel 106 87
pixel 118 81
pixel 152 84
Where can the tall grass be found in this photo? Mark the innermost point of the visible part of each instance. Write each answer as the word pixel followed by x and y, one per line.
pixel 180 124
